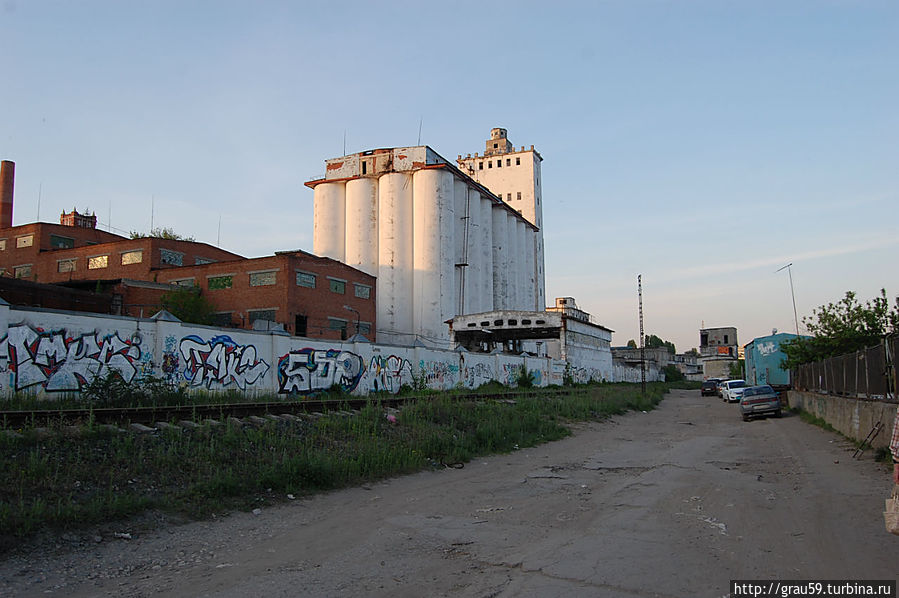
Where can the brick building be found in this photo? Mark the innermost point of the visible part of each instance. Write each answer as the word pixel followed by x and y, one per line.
pixel 309 295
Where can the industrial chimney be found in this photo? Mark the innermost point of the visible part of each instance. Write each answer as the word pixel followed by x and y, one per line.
pixel 7 182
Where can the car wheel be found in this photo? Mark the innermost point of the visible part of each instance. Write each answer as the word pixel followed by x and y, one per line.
pixel 777 413
pixel 745 418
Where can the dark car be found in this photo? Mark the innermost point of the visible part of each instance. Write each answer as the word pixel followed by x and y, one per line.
pixel 709 388
pixel 759 400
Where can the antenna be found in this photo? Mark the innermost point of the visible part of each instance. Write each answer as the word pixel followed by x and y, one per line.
pixel 218 238
pixel 109 217
pixel 344 142
pixel 420 120
pixel 152 210
pixel 40 188
pixel 642 338
pixel 789 270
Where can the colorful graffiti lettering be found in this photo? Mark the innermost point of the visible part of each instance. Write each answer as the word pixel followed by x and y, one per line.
pixel 310 370
pixel 439 374
pixel 221 361
pixel 64 363
pixel 389 373
pixel 477 374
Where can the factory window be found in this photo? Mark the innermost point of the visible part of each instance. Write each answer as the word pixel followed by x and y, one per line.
pixel 499 163
pixel 305 279
pixel 60 242
pixel 508 161
pixel 262 279
pixel 362 291
pixel 519 196
pixel 725 339
pixel 497 322
pixel 97 262
pixel 489 163
pixel 364 167
pixel 364 328
pixel 184 282
pixel 132 257
pixel 65 266
pixel 220 282
pixel 338 324
pixel 337 286
pixel 472 324
pixel 485 323
pixel 260 314
pixel 222 318
pixel 513 322
pixel 525 322
pixel 23 271
pixel 508 197
pixel 172 258
pixel 541 321
pixel 495 145
pixel 2 244
pixel 517 161
pixel 480 166
pixel 199 261
pixel 26 241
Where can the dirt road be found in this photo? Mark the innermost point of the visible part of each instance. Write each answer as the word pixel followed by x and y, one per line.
pixel 675 502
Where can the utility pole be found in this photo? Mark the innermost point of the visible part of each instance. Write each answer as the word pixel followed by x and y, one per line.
pixel 789 270
pixel 642 337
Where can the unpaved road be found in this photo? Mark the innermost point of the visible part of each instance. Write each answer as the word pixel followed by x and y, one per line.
pixel 675 502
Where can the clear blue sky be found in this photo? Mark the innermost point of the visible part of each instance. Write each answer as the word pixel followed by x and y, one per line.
pixel 702 144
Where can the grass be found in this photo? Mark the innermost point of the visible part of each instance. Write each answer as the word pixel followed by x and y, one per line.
pixel 65 481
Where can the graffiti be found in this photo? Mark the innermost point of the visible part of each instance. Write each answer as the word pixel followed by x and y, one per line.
pixel 170 360
pixel 389 373
pixel 220 361
pixel 310 370
pixel 438 374
pixel 767 348
pixel 477 374
pixel 64 363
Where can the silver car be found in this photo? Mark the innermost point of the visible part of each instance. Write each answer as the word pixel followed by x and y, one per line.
pixel 759 400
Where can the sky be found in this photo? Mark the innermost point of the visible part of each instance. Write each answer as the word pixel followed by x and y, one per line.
pixel 701 144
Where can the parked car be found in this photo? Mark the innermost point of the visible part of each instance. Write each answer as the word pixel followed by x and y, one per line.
pixel 709 387
pixel 720 388
pixel 733 390
pixel 759 400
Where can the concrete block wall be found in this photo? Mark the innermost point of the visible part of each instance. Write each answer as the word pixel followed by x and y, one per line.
pixel 853 418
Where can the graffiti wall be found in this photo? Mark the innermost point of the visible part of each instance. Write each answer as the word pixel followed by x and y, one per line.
pixel 47 352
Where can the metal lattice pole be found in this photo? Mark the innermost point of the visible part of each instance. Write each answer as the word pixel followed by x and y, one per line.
pixel 642 337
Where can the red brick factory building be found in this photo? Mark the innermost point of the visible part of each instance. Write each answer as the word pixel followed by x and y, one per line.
pixel 73 265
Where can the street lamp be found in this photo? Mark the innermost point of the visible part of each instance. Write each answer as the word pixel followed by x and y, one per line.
pixel 355 311
pixel 789 270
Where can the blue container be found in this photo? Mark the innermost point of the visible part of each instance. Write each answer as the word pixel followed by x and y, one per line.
pixel 763 359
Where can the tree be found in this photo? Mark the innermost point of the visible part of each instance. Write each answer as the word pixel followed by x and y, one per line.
pixel 672 374
pixel 693 352
pixel 654 342
pixel 842 327
pixel 632 344
pixel 735 369
pixel 188 305
pixel 161 233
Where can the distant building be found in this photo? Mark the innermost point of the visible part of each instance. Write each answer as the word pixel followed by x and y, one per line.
pixel 718 349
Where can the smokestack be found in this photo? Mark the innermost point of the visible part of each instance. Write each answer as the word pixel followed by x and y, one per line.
pixel 7 182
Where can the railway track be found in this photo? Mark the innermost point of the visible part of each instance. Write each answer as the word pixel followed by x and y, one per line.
pixel 198 413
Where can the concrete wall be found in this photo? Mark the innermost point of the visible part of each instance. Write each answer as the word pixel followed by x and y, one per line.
pixel 48 352
pixel 852 417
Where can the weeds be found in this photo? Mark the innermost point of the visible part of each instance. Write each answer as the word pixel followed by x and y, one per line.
pixel 63 481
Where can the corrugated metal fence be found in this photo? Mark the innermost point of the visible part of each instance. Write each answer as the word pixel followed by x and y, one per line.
pixel 866 374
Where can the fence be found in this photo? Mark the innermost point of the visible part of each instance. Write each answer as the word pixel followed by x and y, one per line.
pixel 866 374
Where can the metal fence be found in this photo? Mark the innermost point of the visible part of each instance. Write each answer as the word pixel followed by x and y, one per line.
pixel 866 374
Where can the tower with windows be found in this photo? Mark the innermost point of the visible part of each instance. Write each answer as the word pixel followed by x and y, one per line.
pixel 514 176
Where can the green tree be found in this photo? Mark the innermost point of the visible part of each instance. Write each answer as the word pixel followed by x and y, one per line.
pixel 632 344
pixel 672 374
pixel 161 233
pixel 188 305
pixel 654 342
pixel 735 369
pixel 694 352
pixel 842 327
